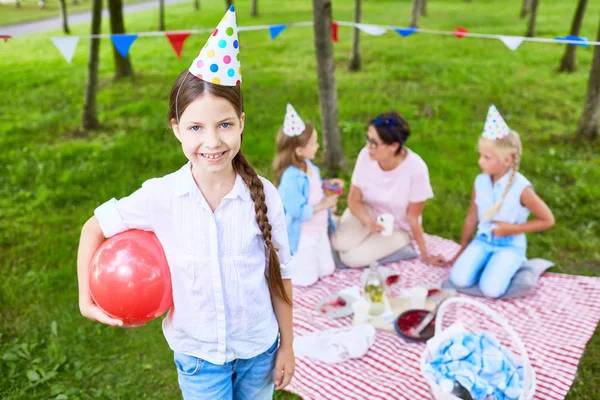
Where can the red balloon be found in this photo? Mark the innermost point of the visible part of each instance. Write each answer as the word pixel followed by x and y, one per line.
pixel 130 278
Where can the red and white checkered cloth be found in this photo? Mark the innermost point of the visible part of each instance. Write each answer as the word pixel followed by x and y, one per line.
pixel 555 322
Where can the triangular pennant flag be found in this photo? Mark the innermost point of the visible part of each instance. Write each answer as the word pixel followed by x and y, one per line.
pixel 404 32
pixel 123 43
pixel 219 59
pixel 292 123
pixel 177 41
pixel 275 30
pixel 495 128
pixel 572 38
pixel 334 31
pixel 460 32
pixel 371 29
pixel 66 46
pixel 512 42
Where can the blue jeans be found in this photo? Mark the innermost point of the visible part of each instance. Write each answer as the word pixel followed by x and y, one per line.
pixel 491 261
pixel 235 380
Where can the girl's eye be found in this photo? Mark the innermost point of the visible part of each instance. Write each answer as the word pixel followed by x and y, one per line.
pixel 195 128
pixel 225 125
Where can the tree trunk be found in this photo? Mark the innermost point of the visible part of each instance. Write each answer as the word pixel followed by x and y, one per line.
pixel 327 89
pixel 123 66
pixel 568 61
pixel 424 8
pixel 196 4
pixel 532 18
pixel 416 12
pixel 588 125
pixel 75 2
pixel 355 57
pixel 18 3
pixel 525 9
pixel 161 15
pixel 90 117
pixel 254 7
pixel 63 14
pixel 228 3
pixel 42 3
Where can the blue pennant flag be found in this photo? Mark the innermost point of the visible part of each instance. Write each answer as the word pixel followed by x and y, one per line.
pixel 123 43
pixel 404 32
pixel 583 40
pixel 275 30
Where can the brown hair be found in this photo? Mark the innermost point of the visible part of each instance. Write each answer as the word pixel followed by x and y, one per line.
pixel 286 151
pixel 185 90
pixel 391 128
pixel 510 145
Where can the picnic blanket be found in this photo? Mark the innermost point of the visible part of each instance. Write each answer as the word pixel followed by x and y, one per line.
pixel 555 322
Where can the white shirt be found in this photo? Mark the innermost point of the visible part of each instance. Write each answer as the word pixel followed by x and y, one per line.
pixel 222 307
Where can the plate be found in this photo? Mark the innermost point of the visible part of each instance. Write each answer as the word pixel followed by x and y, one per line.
pixel 331 306
pixel 411 319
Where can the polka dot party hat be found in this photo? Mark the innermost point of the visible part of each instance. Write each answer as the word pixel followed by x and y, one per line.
pixel 495 128
pixel 219 59
pixel 292 124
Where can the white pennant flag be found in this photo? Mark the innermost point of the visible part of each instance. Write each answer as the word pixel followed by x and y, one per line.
pixel 512 42
pixel 371 29
pixel 66 46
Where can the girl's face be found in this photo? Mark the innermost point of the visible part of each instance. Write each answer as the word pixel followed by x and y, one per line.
pixel 491 162
pixel 378 149
pixel 210 133
pixel 309 150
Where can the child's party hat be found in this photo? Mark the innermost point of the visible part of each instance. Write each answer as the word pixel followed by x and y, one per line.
pixel 292 124
pixel 495 128
pixel 219 59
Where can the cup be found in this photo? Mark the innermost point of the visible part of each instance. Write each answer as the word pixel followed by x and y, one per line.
pixel 361 311
pixel 418 295
pixel 387 221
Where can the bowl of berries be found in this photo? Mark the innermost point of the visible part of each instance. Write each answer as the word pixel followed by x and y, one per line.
pixel 407 324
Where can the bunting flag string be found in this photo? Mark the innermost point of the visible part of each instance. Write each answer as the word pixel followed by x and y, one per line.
pixel 123 42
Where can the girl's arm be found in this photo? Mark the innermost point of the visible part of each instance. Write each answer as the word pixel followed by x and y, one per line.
pixel 285 362
pixel 469 227
pixel 540 210
pixel 357 206
pixel 90 240
pixel 413 215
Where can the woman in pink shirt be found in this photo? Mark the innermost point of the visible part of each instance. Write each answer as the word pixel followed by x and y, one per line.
pixel 390 179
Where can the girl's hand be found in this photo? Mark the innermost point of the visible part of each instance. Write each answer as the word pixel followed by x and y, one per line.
pixel 502 229
pixel 92 312
pixel 436 260
pixel 285 364
pixel 336 182
pixel 374 227
pixel 330 202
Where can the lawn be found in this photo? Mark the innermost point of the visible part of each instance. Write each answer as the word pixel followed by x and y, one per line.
pixel 52 177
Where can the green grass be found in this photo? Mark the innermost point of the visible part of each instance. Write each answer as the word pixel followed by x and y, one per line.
pixel 30 11
pixel 51 179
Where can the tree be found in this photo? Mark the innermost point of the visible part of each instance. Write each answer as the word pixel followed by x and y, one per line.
pixel 424 8
pixel 254 8
pixel 161 15
pixel 63 15
pixel 90 116
pixel 568 61
pixel 355 57
pixel 123 66
pixel 327 90
pixel 416 13
pixel 588 125
pixel 228 3
pixel 532 18
pixel 196 4
pixel 525 9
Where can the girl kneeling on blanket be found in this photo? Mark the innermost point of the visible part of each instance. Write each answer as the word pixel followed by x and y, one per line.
pixel 307 208
pixel 501 201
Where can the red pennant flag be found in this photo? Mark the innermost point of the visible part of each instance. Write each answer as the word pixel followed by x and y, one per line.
pixel 460 32
pixel 177 40
pixel 5 37
pixel 334 31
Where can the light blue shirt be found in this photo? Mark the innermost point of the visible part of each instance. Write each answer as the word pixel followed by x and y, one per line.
pixel 511 212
